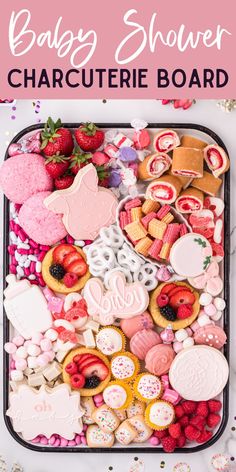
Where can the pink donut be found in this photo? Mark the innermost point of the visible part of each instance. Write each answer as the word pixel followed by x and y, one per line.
pixel 210 335
pixel 159 359
pixel 24 175
pixel 39 223
pixel 137 323
pixel 143 341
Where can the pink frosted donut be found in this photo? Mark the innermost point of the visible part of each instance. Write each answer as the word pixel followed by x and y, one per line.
pixel 24 175
pixel 159 359
pixel 137 323
pixel 210 335
pixel 41 224
pixel 143 341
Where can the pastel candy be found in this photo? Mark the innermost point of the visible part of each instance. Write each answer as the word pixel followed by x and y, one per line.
pixel 171 396
pixel 127 154
pixel 85 207
pixel 143 341
pixel 137 323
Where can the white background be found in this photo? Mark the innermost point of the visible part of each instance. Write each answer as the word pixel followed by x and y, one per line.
pixel 205 113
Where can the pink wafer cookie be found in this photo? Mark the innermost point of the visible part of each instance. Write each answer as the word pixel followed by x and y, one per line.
pixel 163 211
pixel 183 229
pixel 123 219
pixel 155 248
pixel 136 202
pixel 172 233
pixel 147 218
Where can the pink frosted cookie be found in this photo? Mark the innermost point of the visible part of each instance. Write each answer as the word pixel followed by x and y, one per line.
pixel 137 323
pixel 24 175
pixel 41 224
pixel 210 335
pixel 143 341
pixel 159 359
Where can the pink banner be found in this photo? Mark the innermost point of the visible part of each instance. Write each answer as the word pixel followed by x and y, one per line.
pixel 125 49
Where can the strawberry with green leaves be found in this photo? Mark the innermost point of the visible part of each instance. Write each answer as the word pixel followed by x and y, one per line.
pixel 56 165
pixel 103 176
pixel 78 160
pixel 64 181
pixel 89 137
pixel 56 139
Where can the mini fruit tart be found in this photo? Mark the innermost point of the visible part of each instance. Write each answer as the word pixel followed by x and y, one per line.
pixel 64 269
pixel 86 370
pixel 174 303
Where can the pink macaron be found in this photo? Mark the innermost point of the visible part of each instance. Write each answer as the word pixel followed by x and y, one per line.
pixel 39 223
pixel 143 341
pixel 23 176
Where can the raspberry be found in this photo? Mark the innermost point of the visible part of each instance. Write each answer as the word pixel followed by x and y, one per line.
pixel 71 368
pixel 169 444
pixel 214 406
pixel 204 436
pixel 77 381
pixel 175 430
pixel 160 434
pixel 184 311
pixel 212 420
pixel 191 433
pixel 179 411
pixel 202 409
pixel 198 421
pixel 70 279
pixel 162 300
pixel 184 420
pixel 181 440
pixel 189 406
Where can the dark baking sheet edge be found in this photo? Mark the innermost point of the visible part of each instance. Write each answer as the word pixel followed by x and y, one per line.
pixel 138 450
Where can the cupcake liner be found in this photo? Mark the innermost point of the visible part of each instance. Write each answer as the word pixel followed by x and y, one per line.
pixel 133 358
pixel 138 395
pixel 118 330
pixel 128 390
pixel 153 425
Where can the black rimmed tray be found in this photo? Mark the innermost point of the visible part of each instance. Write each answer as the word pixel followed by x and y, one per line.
pixel 226 316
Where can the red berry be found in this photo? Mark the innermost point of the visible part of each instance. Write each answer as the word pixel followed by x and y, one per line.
pixel 55 139
pixel 89 137
pixel 184 421
pixel 214 406
pixel 162 300
pixel 179 411
pixel 61 251
pixel 160 434
pixel 167 288
pixel 71 368
pixel 169 444
pixel 79 160
pixel 181 441
pixel 213 419
pixel 77 381
pixel 204 436
pixel 182 297
pixel 70 279
pixel 189 406
pixel 78 267
pixel 175 430
pixel 56 166
pixel 184 311
pixel 202 409
pixel 198 421
pixel 191 432
pixel 63 182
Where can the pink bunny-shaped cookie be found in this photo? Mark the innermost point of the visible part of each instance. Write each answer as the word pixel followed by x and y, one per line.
pixel 86 208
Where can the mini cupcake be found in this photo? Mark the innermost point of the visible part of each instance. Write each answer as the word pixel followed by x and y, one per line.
pixel 125 366
pixel 147 387
pixel 159 414
pixel 117 395
pixel 110 340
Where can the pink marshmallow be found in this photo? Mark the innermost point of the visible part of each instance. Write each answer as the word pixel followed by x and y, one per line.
pixel 10 348
pixel 195 326
pixel 37 338
pixel 210 310
pixel 177 346
pixel 21 364
pixel 50 355
pixel 18 340
pixel 46 344
pixel 42 360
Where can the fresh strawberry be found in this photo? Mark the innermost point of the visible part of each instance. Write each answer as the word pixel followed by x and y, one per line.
pixel 86 359
pixel 184 297
pixel 191 433
pixel 184 311
pixel 181 441
pixel 55 139
pixel 189 406
pixel 61 251
pixel 162 300
pixel 56 166
pixel 179 411
pixel 63 182
pixel 167 288
pixel 175 430
pixel 71 257
pixel 97 368
pixel 161 434
pixel 69 279
pixel 89 137
pixel 198 421
pixel 214 406
pixel 169 444
pixel 184 421
pixel 88 362
pixel 78 267
pixel 213 420
pixel 80 357
pixel 204 436
pixel 77 381
pixel 71 368
pixel 103 176
pixel 202 409
pixel 78 160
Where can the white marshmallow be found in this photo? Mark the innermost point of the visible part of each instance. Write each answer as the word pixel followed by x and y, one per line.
pixel 32 362
pixel 17 375
pixel 217 316
pixel 181 335
pixel 33 350
pixel 21 352
pixel 188 342
pixel 219 303
pixel 205 299
pixel 203 320
pixel 51 334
